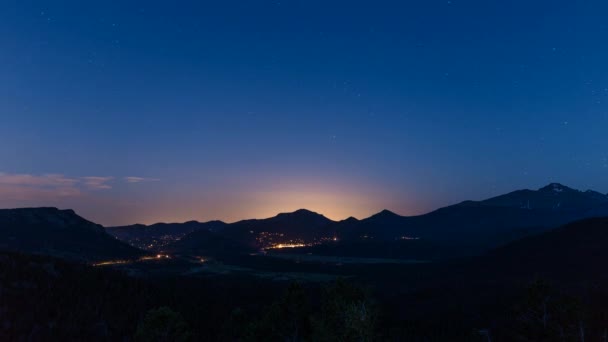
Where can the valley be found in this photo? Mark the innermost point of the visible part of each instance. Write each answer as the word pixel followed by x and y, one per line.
pixel 417 278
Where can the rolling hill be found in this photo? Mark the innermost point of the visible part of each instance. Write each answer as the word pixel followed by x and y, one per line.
pixel 576 248
pixel 159 235
pixel 59 233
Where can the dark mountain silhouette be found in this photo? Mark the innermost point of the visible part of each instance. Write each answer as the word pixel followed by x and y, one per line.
pixel 554 196
pixel 571 256
pixel 158 235
pixel 217 238
pixel 60 233
pixel 302 225
pixel 251 235
pixel 349 220
pixel 299 223
pixel 575 248
pixel 478 225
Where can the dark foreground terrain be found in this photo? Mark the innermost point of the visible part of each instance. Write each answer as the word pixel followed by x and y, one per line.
pixel 514 293
pixel 63 278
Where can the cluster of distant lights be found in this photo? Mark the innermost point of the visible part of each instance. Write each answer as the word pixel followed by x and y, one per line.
pixel 295 245
pixel 155 243
pixel 130 261
pixel 146 258
pixel 204 260
pixel 288 245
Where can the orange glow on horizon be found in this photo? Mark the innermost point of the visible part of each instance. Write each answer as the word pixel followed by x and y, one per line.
pixel 335 201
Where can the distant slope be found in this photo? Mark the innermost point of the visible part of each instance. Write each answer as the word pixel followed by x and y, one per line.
pixel 578 247
pixel 60 233
pixel 251 235
pixel 474 226
pixel 159 235
pixel 301 224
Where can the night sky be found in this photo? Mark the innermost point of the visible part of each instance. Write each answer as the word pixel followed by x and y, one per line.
pixel 146 111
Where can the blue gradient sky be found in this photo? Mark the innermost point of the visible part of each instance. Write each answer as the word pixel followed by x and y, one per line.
pixel 237 109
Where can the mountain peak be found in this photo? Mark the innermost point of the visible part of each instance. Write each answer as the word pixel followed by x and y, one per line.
pixel 386 211
pixel 385 214
pixel 556 188
pixel 350 219
pixel 554 196
pixel 595 193
pixel 300 212
pixel 304 211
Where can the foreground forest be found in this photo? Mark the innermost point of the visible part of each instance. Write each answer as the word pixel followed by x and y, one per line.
pixel 48 299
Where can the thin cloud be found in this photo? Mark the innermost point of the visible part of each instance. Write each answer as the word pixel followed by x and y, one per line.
pixel 49 187
pixel 140 179
pixel 49 180
pixel 24 187
pixel 97 183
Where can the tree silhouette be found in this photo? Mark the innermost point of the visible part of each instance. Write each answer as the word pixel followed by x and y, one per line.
pixel 286 319
pixel 163 325
pixel 347 314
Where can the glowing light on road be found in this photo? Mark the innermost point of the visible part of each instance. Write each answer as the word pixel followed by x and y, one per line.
pixel 287 245
pixel 130 261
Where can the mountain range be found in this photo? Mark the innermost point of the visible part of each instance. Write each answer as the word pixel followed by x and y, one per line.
pixel 464 229
pixel 467 228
